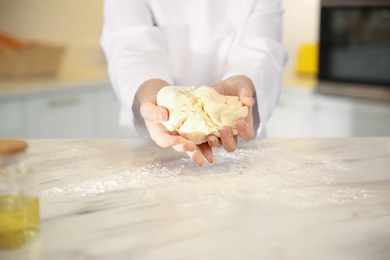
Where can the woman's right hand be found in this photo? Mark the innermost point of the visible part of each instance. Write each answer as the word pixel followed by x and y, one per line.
pixel 154 114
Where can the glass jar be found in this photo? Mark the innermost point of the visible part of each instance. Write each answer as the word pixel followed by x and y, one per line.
pixel 19 206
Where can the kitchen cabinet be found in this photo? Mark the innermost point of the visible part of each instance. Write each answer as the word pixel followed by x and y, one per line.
pixel 334 117
pixel 371 119
pixel 59 115
pixel 11 118
pixel 305 113
pixel 106 109
pixel 92 110
pixel 88 111
pixel 352 117
pixel 293 116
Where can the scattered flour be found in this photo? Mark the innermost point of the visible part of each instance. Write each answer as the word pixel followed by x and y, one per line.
pixel 266 177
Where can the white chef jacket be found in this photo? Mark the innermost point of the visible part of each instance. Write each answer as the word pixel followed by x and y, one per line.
pixel 192 43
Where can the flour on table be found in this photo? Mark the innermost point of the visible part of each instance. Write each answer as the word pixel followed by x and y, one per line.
pixel 268 177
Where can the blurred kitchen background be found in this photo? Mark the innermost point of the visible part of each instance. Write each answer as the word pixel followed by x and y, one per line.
pixel 68 94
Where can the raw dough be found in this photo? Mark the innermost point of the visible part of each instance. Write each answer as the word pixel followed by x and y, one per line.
pixel 196 113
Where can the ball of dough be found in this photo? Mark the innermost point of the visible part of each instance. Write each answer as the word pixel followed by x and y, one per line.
pixel 196 113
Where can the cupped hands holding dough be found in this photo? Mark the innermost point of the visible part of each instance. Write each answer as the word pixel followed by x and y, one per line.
pixel 195 120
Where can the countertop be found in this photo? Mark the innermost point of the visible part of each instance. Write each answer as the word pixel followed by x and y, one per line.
pixel 270 199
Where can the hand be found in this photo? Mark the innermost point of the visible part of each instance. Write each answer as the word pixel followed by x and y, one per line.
pixel 153 115
pixel 242 87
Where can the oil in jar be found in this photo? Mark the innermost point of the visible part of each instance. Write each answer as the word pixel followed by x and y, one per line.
pixel 19 220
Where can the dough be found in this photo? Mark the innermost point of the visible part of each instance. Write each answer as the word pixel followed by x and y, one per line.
pixel 196 113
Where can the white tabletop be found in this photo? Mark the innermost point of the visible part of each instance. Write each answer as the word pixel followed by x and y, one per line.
pixel 270 199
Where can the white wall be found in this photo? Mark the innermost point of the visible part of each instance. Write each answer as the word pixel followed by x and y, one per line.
pixel 77 24
pixel 301 25
pixel 74 23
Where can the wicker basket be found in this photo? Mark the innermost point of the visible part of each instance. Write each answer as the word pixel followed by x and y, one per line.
pixel 33 59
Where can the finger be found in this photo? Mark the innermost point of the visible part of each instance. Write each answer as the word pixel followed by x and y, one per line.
pixel 245 130
pixel 184 145
pixel 246 96
pixel 214 141
pixel 161 113
pixel 207 152
pixel 197 156
pixel 162 137
pixel 229 141
pixel 150 111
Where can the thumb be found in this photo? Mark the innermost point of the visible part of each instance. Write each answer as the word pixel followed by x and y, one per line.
pixel 246 97
pixel 150 111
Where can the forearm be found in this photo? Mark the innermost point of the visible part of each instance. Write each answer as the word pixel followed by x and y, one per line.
pixel 135 50
pixel 261 57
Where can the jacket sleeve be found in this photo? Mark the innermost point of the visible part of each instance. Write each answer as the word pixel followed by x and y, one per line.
pixel 135 52
pixel 259 55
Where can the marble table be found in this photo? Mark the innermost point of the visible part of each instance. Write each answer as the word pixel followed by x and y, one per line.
pixel 270 199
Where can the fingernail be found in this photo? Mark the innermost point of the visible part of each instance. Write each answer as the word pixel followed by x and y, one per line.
pixel 200 162
pixel 250 102
pixel 174 141
pixel 224 132
pixel 192 148
pixel 241 125
pixel 210 159
pixel 212 141
pixel 162 116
